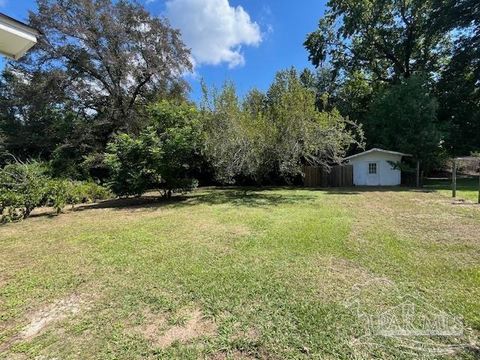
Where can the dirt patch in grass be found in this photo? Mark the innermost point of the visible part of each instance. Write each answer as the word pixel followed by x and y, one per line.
pixel 439 228
pixel 3 281
pixel 40 320
pixel 156 330
pixel 426 217
pixel 250 334
pixel 57 311
pixel 345 270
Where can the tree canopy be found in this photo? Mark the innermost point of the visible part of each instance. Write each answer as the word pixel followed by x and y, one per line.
pixel 161 157
pixel 362 48
pixel 412 127
pixel 103 96
pixel 273 135
pixel 387 40
pixel 97 66
pixel 115 55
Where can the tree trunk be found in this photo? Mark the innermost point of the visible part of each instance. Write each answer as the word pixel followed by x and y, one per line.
pixel 27 212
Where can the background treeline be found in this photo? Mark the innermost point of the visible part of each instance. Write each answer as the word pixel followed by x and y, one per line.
pixel 263 138
pixel 102 97
pixel 104 90
pixel 407 70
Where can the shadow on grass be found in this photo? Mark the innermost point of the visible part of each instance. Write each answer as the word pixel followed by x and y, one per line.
pixel 251 197
pixel 466 183
pixel 248 197
pixel 368 189
pixel 145 202
pixel 235 196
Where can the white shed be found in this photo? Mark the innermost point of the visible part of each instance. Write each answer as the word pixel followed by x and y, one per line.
pixel 374 167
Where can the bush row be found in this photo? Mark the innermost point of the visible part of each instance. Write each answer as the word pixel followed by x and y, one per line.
pixel 25 186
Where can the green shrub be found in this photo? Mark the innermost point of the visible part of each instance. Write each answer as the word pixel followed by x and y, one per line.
pixel 25 186
pixel 11 206
pixel 22 189
pixel 161 157
pixel 61 193
pixel 86 192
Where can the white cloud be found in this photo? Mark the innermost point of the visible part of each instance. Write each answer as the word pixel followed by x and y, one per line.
pixel 214 30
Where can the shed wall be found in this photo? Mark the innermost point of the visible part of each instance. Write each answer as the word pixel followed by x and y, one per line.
pixel 386 174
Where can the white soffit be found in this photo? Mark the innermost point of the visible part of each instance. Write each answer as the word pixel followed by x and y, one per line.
pixel 16 38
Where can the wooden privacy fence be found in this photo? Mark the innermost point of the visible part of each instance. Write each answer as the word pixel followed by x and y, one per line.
pixel 336 176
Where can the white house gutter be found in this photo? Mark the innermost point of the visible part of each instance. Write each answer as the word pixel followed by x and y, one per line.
pixel 16 38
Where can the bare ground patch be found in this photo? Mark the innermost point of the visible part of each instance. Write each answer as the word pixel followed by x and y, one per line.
pixel 156 329
pixel 57 311
pixel 40 320
pixel 427 219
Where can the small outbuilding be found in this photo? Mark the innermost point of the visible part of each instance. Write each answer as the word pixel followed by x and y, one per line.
pixel 376 167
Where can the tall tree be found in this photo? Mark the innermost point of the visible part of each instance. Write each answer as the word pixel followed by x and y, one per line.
pixel 386 39
pixel 230 135
pixel 305 135
pixel 458 85
pixel 34 115
pixel 97 65
pixel 116 55
pixel 412 121
pixel 271 136
pixel 369 45
pixel 459 95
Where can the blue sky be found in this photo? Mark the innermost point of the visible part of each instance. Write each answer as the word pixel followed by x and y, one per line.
pixel 246 41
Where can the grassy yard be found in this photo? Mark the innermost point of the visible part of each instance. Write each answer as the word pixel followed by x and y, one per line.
pixel 467 188
pixel 275 273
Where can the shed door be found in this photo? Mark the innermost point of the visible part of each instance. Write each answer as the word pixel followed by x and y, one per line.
pixel 373 173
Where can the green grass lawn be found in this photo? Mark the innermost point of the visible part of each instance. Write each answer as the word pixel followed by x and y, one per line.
pixel 467 188
pixel 275 273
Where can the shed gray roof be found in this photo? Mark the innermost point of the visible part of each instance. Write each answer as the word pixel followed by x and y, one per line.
pixel 376 150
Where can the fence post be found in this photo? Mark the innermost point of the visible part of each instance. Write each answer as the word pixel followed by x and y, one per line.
pixel 418 173
pixel 454 179
pixel 479 181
